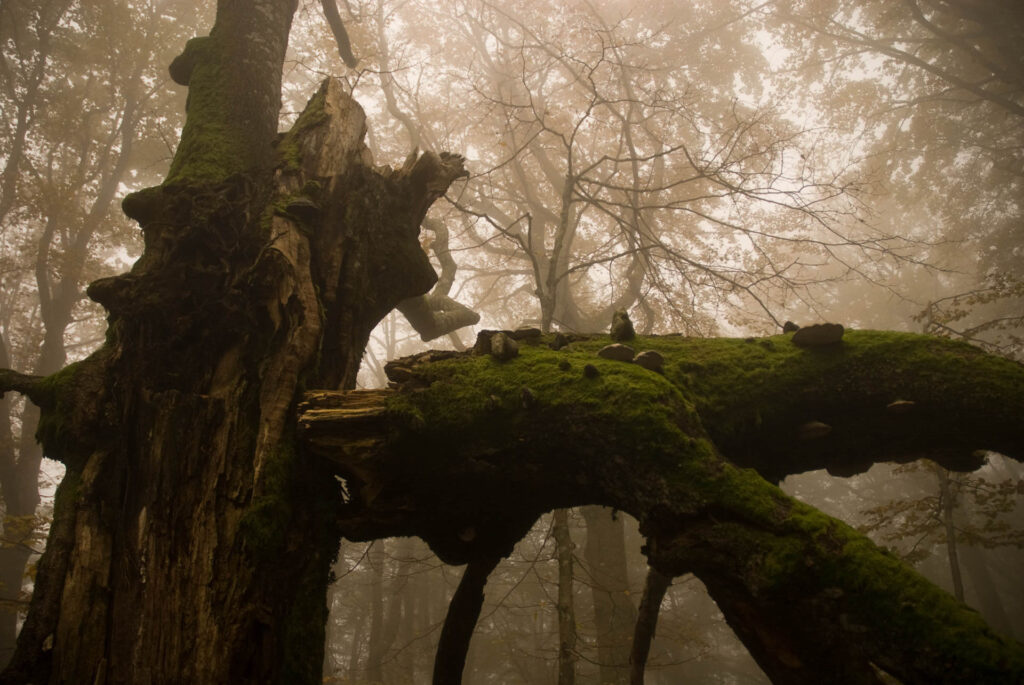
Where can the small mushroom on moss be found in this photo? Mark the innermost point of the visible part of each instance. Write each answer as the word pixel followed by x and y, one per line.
pixel 529 334
pixel 617 352
pixel 812 430
pixel 558 342
pixel 650 360
pixel 818 335
pixel 503 347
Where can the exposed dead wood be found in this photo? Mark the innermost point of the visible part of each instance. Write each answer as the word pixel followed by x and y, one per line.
pixel 348 428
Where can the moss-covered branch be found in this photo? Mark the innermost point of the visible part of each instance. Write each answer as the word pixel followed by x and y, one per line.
pixel 875 396
pixel 468 450
pixel 19 382
pixel 814 601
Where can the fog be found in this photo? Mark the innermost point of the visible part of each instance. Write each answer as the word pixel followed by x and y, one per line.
pixel 713 168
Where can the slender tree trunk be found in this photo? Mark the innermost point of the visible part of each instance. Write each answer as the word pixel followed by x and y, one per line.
pixel 947 499
pixel 19 481
pixel 430 603
pixel 397 591
pixel 19 478
pixel 358 622
pixel 655 587
pixel 463 612
pixel 566 609
pixel 991 602
pixel 12 555
pixel 386 606
pixel 614 611
pixel 375 655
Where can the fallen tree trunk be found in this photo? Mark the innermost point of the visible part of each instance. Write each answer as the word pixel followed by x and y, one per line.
pixel 467 451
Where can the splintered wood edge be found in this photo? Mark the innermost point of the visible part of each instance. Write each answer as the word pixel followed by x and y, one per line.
pixel 345 400
pixel 344 426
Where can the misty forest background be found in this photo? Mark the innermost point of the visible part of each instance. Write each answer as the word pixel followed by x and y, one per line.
pixel 714 167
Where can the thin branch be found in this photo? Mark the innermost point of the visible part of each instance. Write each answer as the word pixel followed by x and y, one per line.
pixel 340 34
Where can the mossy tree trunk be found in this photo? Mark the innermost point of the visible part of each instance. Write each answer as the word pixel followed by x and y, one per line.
pixel 813 600
pixel 189 544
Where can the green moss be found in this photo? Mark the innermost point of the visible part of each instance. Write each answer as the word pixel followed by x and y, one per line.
pixel 290 531
pixel 304 630
pixel 58 431
pixel 903 606
pixel 731 395
pixel 911 610
pixel 56 385
pixel 641 408
pixel 736 383
pixel 789 549
pixel 745 395
pixel 211 149
pixel 289 153
pixel 307 613
pixel 264 527
pixel 184 64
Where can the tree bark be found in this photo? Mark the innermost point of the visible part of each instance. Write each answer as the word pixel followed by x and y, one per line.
pixel 655 587
pixel 463 613
pixel 614 611
pixel 566 602
pixel 947 501
pixel 183 488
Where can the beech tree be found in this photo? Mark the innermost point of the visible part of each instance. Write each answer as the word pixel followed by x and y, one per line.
pixel 204 441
